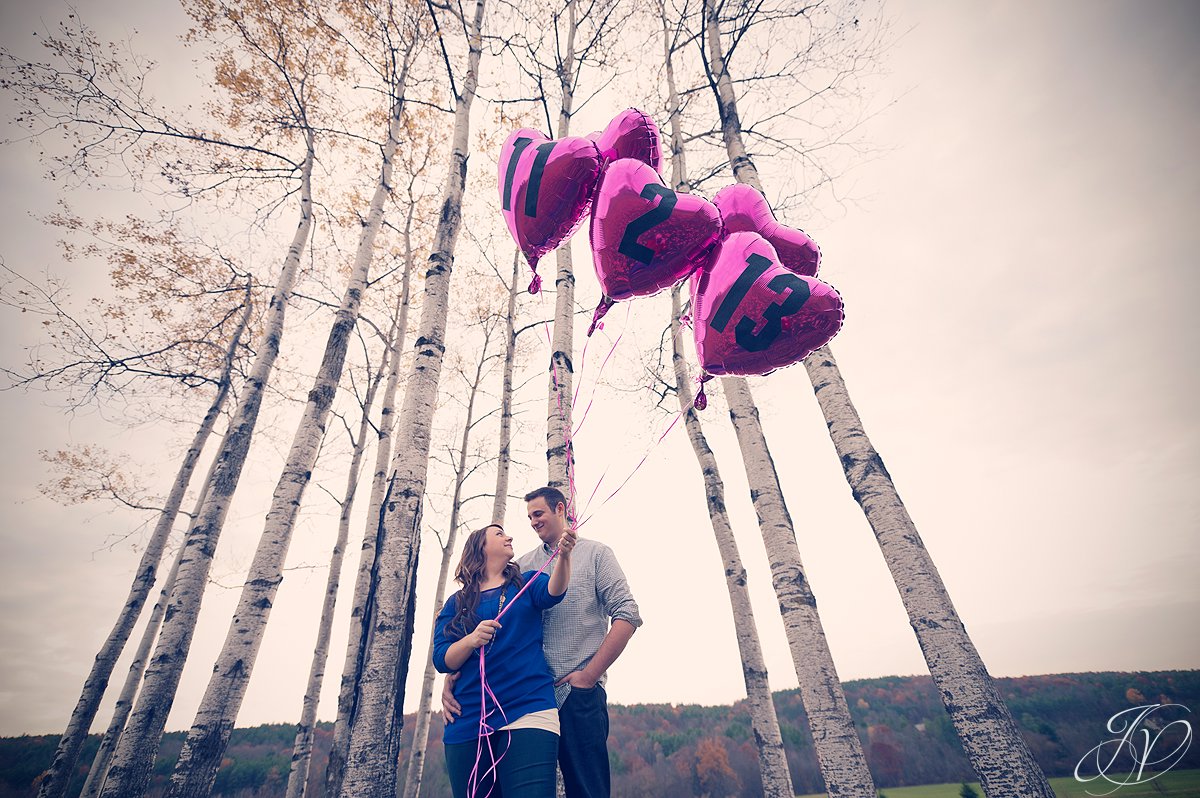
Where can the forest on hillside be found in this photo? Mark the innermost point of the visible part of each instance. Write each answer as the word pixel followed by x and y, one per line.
pixel 659 749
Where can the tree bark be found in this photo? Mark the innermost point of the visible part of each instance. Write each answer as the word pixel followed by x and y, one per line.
pixel 838 747
pixel 378 717
pixel 54 784
pixel 133 678
pixel 560 458
pixel 133 761
pixel 989 734
pixel 205 745
pixel 351 669
pixel 504 451
pixel 772 759
pixel 416 756
pixel 303 745
pixel 990 737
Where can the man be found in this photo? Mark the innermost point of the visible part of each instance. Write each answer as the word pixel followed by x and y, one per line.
pixel 580 644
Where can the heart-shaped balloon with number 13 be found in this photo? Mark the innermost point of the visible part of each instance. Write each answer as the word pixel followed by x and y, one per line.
pixel 546 188
pixel 644 236
pixel 752 315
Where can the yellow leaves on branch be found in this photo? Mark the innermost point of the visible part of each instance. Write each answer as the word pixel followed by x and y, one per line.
pixel 89 473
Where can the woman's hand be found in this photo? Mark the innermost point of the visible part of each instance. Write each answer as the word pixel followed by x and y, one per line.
pixel 483 634
pixel 460 650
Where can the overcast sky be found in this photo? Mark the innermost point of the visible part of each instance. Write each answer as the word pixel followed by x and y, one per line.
pixel 1019 344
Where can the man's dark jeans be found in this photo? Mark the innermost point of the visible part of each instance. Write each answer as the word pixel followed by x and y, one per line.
pixel 583 747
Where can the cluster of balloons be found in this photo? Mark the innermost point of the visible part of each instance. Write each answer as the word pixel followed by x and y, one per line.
pixel 757 304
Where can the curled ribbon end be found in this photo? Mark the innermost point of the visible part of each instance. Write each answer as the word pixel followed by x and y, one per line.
pixel 601 309
pixel 701 401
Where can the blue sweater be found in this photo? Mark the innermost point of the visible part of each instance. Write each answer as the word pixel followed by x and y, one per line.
pixel 516 668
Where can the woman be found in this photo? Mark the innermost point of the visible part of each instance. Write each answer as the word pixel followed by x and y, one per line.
pixel 524 713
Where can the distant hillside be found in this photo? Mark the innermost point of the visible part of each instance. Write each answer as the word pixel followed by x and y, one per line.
pixel 658 749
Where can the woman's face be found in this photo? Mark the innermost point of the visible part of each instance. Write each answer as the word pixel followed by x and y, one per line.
pixel 497 543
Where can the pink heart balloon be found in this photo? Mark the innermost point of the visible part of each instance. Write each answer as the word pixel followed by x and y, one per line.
pixel 644 236
pixel 752 315
pixel 546 188
pixel 743 209
pixel 631 134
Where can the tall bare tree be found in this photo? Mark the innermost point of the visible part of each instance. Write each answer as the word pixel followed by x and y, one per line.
pixel 59 774
pixel 776 778
pixel 561 40
pixel 377 718
pixel 98 772
pixel 206 742
pixel 463 469
pixel 286 63
pixel 302 747
pixel 416 160
pixel 989 735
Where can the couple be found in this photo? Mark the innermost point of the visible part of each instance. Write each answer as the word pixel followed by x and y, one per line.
pixel 545 661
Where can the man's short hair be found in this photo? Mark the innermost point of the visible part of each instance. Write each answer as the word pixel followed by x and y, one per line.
pixel 552 496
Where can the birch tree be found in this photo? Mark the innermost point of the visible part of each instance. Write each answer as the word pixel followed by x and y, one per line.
pixel 303 744
pixel 377 718
pixel 463 470
pixel 984 724
pixel 285 64
pixel 776 778
pixel 577 35
pixel 206 742
pixel 416 159
pixel 59 774
pixel 133 678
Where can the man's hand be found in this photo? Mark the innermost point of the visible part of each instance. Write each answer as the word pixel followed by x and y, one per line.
pixel 450 707
pixel 567 542
pixel 579 679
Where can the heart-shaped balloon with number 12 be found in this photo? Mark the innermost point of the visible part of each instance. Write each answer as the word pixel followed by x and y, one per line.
pixel 644 236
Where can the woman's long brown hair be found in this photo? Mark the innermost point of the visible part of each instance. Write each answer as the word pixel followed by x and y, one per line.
pixel 471 571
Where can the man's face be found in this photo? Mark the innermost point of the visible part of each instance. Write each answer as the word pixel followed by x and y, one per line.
pixel 546 522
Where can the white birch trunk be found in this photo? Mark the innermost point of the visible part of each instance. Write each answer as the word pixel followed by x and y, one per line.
pixel 560 459
pixel 772 760
pixel 838 747
pixel 133 678
pixel 416 755
pixel 359 618
pixel 378 718
pixel 57 778
pixel 990 737
pixel 989 734
pixel 206 742
pixel 504 451
pixel 303 745
pixel 133 761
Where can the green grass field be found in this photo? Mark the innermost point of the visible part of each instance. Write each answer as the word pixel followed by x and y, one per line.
pixel 1176 784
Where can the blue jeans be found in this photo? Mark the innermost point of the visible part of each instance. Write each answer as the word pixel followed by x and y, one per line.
pixel 525 771
pixel 583 751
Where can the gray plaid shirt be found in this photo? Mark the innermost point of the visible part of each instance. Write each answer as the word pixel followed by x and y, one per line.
pixel 573 629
